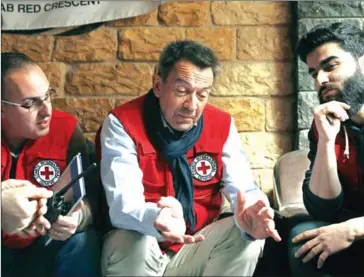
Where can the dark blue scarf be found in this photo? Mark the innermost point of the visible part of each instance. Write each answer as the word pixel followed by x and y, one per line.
pixel 173 148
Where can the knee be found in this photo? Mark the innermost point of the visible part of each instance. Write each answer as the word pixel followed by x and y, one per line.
pixel 88 240
pixel 122 251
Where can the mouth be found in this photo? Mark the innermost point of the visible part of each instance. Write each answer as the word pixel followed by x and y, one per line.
pixel 44 122
pixel 186 116
pixel 329 92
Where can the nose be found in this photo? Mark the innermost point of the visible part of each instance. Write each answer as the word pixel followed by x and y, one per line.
pixel 321 78
pixel 46 108
pixel 191 102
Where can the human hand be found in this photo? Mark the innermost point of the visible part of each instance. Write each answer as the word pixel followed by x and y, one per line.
pixel 328 117
pixel 171 224
pixel 257 219
pixel 66 226
pixel 324 241
pixel 40 225
pixel 22 203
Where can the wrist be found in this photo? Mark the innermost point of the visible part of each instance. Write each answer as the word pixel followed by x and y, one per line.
pixel 356 228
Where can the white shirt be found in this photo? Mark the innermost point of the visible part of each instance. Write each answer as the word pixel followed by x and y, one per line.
pixel 122 178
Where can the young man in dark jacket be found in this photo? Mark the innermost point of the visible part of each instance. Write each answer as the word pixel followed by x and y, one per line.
pixel 333 189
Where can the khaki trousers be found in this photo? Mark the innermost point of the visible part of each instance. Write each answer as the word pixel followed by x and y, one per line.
pixel 222 253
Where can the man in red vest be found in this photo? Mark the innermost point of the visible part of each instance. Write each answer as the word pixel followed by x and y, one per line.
pixel 37 143
pixel 166 159
pixel 333 189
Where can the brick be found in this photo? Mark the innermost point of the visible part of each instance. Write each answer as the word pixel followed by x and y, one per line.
pixel 279 115
pixel 264 43
pixel 255 79
pixel 38 48
pixel 250 13
pixel 186 13
pixel 248 113
pixel 264 149
pixel 91 112
pixel 264 178
pixel 98 45
pixel 322 9
pixel 56 74
pixel 219 39
pixel 126 79
pixel 146 43
pixel 148 19
pixel 303 142
pixel 306 102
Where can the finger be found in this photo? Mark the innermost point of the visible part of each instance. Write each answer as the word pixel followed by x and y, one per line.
pixel 313 253
pixel 65 222
pixel 41 220
pixel 321 260
pixel 266 213
pixel 274 234
pixel 344 105
pixel 35 193
pixel 305 235
pixel 172 237
pixel 55 234
pixel 306 247
pixel 42 202
pixel 161 227
pixel 27 233
pixel 188 239
pixel 40 229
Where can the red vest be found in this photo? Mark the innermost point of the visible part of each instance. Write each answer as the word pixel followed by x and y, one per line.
pixel 41 162
pixel 350 174
pixel 204 159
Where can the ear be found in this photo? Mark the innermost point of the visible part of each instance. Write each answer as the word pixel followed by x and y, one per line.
pixel 361 64
pixel 157 82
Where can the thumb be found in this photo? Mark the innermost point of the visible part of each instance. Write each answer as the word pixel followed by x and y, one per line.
pixel 35 193
pixel 240 201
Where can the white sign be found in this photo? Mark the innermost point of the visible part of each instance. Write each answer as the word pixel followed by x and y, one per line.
pixel 30 15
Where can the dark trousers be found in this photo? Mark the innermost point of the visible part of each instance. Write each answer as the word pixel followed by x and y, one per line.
pixel 80 255
pixel 349 262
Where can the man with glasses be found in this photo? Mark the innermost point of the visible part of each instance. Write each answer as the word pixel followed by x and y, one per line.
pixel 37 143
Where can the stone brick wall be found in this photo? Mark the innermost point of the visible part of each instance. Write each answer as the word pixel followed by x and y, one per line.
pixel 94 72
pixel 309 15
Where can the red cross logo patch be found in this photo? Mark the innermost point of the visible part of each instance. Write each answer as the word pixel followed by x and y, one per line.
pixel 46 173
pixel 203 168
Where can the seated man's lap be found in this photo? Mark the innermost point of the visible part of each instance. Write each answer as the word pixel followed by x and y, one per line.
pixel 223 244
pixel 346 262
pixel 77 256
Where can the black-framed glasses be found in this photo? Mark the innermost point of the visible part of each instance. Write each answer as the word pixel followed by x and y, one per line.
pixel 34 104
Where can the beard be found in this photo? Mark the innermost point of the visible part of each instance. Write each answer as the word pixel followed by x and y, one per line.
pixel 351 94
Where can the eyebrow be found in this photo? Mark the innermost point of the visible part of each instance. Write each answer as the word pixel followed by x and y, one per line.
pixel 322 63
pixel 186 82
pixel 36 97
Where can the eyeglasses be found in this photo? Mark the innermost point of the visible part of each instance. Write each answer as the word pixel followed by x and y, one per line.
pixel 34 104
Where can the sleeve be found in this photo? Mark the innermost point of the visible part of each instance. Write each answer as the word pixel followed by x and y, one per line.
pixel 237 173
pixel 90 209
pixel 318 208
pixel 122 180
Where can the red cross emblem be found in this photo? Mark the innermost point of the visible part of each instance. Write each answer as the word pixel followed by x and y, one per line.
pixel 46 172
pixel 203 167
